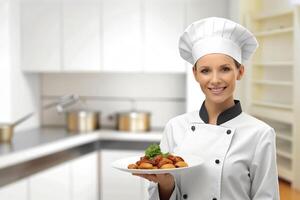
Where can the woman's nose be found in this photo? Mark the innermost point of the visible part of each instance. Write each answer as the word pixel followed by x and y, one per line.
pixel 215 77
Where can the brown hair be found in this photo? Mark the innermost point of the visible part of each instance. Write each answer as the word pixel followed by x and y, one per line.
pixel 237 64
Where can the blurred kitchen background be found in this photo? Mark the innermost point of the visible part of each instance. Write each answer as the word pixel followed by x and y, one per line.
pixel 119 56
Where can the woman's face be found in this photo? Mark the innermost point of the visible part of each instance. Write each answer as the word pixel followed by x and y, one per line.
pixel 217 75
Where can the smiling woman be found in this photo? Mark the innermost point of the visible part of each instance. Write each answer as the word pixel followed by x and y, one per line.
pixel 217 75
pixel 238 150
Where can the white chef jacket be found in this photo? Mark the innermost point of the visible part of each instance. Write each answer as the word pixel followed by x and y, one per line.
pixel 239 157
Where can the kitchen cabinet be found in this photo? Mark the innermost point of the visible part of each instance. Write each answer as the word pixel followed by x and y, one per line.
pixel 274 81
pixel 81 35
pixel 51 184
pixel 15 191
pixel 60 35
pixel 40 35
pixel 122 35
pixel 164 23
pixel 98 36
pixel 116 184
pixel 73 180
pixel 84 177
pixel 94 35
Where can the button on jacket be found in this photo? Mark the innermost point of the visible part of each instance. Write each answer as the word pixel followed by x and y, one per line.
pixel 239 157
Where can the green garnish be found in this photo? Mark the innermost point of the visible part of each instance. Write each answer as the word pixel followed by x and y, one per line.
pixel 154 150
pixel 165 154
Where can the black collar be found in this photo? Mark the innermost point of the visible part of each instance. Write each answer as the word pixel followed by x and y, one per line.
pixel 225 116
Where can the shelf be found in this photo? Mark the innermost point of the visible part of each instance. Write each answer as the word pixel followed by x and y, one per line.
pixel 273 105
pixel 275 83
pixel 284 173
pixel 283 136
pixel 273 113
pixel 284 167
pixel 274 32
pixel 284 154
pixel 275 64
pixel 265 15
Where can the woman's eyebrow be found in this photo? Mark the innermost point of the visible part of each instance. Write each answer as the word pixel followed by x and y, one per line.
pixel 203 66
pixel 225 65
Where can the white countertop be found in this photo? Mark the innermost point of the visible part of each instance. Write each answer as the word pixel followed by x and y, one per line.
pixel 36 143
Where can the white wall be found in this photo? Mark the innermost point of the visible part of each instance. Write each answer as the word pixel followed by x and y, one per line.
pixel 235 15
pixel 20 91
pixel 173 95
pixel 5 72
pixel 278 4
pixel 161 94
pixel 234 10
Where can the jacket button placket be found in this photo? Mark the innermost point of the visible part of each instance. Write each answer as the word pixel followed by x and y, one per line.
pixel 185 196
pixel 193 128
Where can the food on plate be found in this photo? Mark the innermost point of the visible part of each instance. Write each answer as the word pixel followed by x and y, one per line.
pixel 181 164
pixel 132 166
pixel 155 159
pixel 145 165
pixel 168 166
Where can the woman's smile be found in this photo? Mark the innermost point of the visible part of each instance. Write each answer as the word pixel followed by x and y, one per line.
pixel 217 75
pixel 217 90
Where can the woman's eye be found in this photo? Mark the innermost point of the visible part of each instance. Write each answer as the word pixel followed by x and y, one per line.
pixel 204 71
pixel 226 69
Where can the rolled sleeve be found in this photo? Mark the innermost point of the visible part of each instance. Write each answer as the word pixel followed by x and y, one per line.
pixel 154 194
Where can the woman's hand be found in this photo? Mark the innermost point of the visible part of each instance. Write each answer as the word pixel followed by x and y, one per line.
pixel 166 183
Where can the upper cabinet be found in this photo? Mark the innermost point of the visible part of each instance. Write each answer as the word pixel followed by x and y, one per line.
pixel 81 35
pixel 164 23
pixel 60 35
pixel 40 35
pixel 122 35
pixel 104 35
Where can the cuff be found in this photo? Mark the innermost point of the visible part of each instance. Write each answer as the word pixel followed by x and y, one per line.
pixel 154 194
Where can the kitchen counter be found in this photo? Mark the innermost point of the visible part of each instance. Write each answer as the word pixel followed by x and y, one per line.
pixel 36 143
pixel 37 149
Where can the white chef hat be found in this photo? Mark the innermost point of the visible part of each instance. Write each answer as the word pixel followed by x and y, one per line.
pixel 216 35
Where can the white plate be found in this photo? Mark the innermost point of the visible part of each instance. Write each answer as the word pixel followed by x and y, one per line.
pixel 122 164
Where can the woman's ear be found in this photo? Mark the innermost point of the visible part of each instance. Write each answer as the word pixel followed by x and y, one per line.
pixel 195 72
pixel 241 72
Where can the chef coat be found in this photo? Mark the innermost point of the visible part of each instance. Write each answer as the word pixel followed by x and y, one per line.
pixel 239 157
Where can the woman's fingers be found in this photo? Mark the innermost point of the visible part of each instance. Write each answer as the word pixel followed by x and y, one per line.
pixel 149 177
pixel 157 178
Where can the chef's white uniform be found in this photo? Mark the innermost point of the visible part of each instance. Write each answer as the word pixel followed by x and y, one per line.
pixel 239 154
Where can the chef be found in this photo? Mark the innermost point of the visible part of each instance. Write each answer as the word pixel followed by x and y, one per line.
pixel 238 150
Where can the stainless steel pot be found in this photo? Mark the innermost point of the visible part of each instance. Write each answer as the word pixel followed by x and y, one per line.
pixel 82 121
pixel 7 130
pixel 133 121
